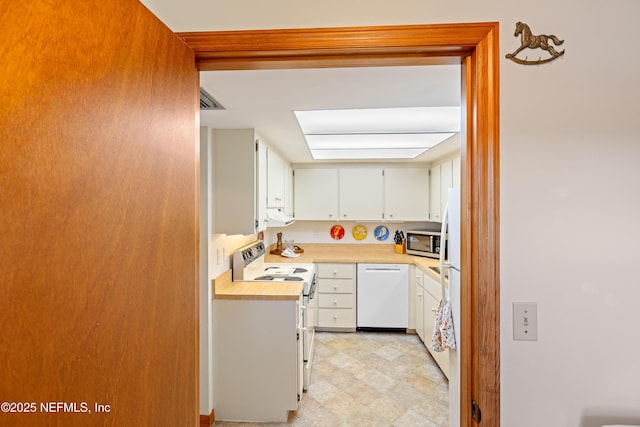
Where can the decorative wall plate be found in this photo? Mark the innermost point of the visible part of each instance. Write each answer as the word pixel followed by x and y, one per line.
pixel 381 232
pixel 337 232
pixel 359 232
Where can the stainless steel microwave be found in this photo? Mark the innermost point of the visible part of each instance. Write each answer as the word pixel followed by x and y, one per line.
pixel 424 243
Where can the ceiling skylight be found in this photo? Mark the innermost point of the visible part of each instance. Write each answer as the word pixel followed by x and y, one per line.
pixel 379 133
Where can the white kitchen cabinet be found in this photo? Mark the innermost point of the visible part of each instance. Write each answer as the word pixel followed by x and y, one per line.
pixel 239 182
pixel 288 189
pixel 456 172
pixel 432 297
pixel 261 184
pixel 435 210
pixel 406 194
pixel 446 182
pixel 419 304
pixel 336 297
pixel 316 194
pixel 361 194
pixel 258 370
pixel 275 180
pixel 442 176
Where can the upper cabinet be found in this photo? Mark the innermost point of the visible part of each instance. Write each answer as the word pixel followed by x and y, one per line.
pixel 239 182
pixel 442 176
pixel 406 194
pixel 275 180
pixel 315 194
pixel 435 210
pixel 279 183
pixel 288 189
pixel 361 194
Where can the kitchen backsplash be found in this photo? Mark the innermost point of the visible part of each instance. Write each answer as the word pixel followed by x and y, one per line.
pixel 322 232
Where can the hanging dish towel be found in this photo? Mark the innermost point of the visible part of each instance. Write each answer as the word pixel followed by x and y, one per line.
pixel 443 334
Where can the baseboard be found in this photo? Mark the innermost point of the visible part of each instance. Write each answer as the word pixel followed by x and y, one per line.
pixel 207 420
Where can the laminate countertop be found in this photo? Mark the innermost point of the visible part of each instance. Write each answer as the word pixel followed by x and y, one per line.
pixel 225 288
pixel 353 254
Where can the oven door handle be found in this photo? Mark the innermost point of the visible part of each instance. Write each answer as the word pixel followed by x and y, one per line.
pixel 312 287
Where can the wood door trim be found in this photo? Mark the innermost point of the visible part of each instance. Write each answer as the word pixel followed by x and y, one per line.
pixel 335 47
pixel 476 46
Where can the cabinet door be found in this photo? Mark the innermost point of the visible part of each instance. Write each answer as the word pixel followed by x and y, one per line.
pixel 235 170
pixel 434 194
pixel 288 189
pixel 275 180
pixel 361 194
pixel 430 308
pixel 419 302
pixel 316 194
pixel 261 187
pixel 406 194
pixel 456 172
pixel 446 182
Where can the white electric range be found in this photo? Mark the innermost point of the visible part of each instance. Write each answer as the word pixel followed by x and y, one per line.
pixel 249 266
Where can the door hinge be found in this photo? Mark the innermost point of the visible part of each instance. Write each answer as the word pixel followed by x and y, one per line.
pixel 298 397
pixel 476 414
pixel 297 336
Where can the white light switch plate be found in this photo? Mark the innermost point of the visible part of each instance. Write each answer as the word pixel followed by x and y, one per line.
pixel 525 321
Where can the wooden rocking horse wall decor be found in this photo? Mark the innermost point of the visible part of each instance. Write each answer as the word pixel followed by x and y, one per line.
pixel 530 41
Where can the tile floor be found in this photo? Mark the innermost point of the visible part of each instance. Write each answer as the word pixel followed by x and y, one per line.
pixel 370 379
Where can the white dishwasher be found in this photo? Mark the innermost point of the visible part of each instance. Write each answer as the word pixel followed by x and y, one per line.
pixel 382 296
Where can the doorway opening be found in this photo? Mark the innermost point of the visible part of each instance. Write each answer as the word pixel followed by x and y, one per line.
pixel 475 47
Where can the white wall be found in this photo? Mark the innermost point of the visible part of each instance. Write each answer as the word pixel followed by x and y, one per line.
pixel 569 197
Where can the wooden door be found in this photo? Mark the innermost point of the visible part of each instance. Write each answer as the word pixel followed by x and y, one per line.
pixel 98 217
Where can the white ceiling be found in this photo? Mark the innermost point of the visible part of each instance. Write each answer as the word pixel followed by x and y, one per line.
pixel 265 99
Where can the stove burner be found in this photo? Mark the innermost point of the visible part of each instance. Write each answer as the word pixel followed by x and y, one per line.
pixel 293 279
pixel 264 278
pixel 299 270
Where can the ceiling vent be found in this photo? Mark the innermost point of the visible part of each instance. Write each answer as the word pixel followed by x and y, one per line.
pixel 207 102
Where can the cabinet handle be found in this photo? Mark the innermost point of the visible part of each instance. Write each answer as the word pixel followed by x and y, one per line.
pixel 335 302
pixel 390 215
pixel 335 317
pixel 330 215
pixel 419 295
pixel 344 215
pixel 434 309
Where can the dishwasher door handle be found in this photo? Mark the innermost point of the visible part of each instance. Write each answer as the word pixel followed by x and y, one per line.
pixel 379 269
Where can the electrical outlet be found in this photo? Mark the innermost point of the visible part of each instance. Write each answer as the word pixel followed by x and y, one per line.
pixel 525 321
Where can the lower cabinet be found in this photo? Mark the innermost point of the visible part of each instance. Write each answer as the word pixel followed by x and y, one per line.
pixel 259 359
pixel 429 291
pixel 419 304
pixel 336 297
